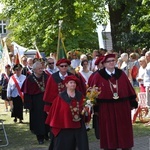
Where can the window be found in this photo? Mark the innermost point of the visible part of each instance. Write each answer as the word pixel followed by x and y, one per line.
pixel 2 26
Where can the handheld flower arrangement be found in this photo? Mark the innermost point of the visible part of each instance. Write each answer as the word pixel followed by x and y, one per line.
pixel 92 93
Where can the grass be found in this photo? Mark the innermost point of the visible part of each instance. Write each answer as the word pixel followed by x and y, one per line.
pixel 20 137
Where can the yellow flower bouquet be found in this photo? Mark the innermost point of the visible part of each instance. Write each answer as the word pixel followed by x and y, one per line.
pixel 92 93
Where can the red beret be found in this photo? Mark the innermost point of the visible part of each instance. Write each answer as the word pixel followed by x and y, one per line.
pixel 99 59
pixel 7 66
pixel 108 56
pixel 63 61
pixel 71 77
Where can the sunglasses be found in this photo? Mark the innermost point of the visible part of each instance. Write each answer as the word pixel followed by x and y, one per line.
pixel 63 66
pixel 51 63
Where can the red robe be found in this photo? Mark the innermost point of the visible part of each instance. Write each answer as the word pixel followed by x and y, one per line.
pixel 115 127
pixel 55 86
pixel 33 100
pixel 60 116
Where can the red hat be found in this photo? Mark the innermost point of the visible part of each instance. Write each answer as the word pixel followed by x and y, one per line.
pixel 99 59
pixel 71 77
pixel 7 66
pixel 63 61
pixel 108 56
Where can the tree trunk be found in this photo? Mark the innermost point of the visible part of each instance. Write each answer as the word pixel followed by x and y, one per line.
pixel 116 18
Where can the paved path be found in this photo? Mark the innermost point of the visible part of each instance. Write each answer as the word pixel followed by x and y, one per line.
pixel 141 143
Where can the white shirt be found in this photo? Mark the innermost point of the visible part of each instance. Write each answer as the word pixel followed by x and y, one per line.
pixel 141 74
pixel 63 77
pixel 147 76
pixel 110 72
pixel 75 63
pixel 51 71
pixel 12 90
pixel 86 75
pixel 92 67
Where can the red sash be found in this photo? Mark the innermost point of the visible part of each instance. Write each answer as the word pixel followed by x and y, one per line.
pixel 18 88
pixel 46 71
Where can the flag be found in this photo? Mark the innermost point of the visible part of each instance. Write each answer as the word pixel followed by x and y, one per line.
pixel 38 55
pixel 5 56
pixel 17 60
pixel 61 50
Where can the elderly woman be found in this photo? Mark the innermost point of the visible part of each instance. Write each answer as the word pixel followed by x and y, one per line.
pixel 140 77
pixel 65 119
pixel 14 92
pixel 34 88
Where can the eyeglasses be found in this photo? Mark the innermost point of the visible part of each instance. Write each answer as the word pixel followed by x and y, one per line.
pixel 63 66
pixel 109 61
pixel 51 63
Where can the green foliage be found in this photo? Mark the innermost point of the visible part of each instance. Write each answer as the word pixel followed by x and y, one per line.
pixel 37 20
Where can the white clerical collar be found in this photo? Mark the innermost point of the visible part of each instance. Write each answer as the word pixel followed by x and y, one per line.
pixel 110 73
pixel 61 76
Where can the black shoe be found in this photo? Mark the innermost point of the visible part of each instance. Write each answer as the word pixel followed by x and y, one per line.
pixel 20 121
pixel 88 129
pixel 46 138
pixel 41 142
pixel 15 120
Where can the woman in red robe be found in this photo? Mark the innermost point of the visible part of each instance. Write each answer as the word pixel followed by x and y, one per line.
pixel 65 119
pixel 115 102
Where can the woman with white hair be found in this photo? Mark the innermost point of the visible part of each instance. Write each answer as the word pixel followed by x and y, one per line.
pixel 140 77
pixel 125 63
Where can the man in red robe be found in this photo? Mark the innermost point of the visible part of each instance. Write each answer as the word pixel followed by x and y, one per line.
pixel 55 83
pixel 115 102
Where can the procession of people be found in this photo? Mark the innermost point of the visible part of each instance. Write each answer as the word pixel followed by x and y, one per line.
pixel 55 93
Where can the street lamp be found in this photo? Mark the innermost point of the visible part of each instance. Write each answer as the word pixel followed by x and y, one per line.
pixel 104 35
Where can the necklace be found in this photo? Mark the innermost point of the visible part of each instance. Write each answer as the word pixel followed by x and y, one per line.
pixel 114 86
pixel 41 85
pixel 75 112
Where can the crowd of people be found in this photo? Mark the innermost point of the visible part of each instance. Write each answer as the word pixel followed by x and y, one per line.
pixel 54 92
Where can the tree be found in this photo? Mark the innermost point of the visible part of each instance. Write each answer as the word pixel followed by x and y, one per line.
pixel 37 20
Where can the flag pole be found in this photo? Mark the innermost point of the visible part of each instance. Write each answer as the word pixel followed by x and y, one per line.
pixel 59 31
pixel 37 49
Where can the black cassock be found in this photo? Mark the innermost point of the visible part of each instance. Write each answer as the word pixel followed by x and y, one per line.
pixel 33 100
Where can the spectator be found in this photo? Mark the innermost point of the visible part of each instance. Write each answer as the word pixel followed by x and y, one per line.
pixel 4 82
pixel 85 72
pixel 140 77
pixel 147 80
pixel 75 62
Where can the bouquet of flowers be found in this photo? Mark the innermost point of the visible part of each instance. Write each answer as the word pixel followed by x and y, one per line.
pixel 90 101
pixel 92 93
